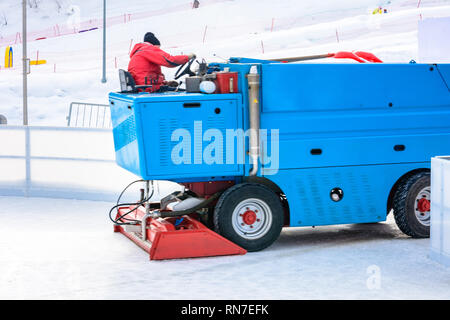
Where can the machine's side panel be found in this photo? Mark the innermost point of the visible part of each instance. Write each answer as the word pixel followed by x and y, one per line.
pixel 365 190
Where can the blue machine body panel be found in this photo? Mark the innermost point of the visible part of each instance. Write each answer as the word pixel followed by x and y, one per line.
pixel 365 188
pixel 359 127
pixel 148 127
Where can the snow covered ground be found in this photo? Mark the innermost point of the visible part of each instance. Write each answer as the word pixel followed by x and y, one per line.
pixel 65 249
pixel 219 28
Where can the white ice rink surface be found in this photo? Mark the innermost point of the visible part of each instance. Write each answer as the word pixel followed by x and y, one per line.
pixel 65 249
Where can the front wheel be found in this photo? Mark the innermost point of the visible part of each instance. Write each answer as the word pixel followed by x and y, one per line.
pixel 250 215
pixel 412 205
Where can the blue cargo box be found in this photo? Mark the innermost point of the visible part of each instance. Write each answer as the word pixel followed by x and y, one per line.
pixel 148 144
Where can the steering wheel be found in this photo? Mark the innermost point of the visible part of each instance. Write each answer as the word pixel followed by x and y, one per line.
pixel 185 69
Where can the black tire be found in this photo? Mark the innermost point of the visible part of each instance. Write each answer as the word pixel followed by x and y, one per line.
pixel 405 205
pixel 249 197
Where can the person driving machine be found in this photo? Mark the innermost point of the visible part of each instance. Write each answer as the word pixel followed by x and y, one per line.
pixel 146 60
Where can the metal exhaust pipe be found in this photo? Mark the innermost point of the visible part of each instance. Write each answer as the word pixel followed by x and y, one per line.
pixel 253 98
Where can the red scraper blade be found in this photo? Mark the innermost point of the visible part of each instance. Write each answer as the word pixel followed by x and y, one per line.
pixel 188 239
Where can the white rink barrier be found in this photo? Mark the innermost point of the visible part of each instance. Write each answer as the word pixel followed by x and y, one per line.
pixel 440 209
pixel 62 162
pixel 434 44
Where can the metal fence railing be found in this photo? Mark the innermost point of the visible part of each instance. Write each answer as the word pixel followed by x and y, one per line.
pixel 89 115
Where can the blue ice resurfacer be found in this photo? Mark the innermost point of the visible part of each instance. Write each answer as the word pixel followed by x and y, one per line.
pixel 280 144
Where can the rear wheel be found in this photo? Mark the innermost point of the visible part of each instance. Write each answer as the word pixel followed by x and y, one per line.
pixel 412 202
pixel 250 215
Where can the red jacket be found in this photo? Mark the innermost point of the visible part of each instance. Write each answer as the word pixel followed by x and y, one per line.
pixel 146 61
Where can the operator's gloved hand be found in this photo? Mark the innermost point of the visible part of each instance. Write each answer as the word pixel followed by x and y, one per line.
pixel 191 55
pixel 172 83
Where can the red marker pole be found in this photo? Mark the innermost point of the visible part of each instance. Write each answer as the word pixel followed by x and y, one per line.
pixel 131 45
pixel 18 38
pixel 418 5
pixel 204 34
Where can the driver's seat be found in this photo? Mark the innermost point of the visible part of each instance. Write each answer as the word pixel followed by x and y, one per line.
pixel 127 83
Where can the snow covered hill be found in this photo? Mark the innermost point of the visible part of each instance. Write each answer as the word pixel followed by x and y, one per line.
pixel 217 29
